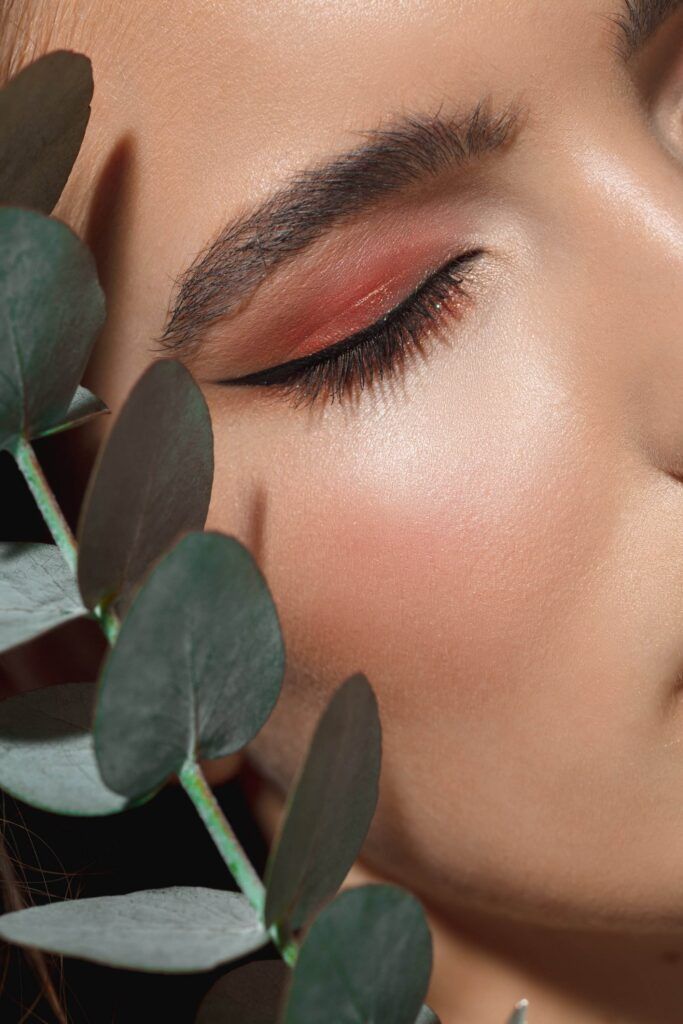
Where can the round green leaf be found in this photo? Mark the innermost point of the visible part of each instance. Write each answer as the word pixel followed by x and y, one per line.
pixel 37 591
pixel 249 995
pixel 84 406
pixel 152 482
pixel 175 930
pixel 44 111
pixel 330 808
pixel 46 752
pixel 197 666
pixel 51 309
pixel 366 958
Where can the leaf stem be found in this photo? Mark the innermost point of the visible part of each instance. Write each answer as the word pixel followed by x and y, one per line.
pixel 45 500
pixel 195 785
pixel 199 792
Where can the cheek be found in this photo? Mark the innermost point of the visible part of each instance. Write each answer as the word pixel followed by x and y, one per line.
pixel 434 540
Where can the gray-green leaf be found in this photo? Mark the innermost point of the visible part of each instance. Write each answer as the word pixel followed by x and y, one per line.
pixel 51 309
pixel 247 995
pixel 152 482
pixel 46 752
pixel 175 930
pixel 519 1013
pixel 37 592
pixel 84 406
pixel 330 809
pixel 368 955
pixel 44 112
pixel 198 665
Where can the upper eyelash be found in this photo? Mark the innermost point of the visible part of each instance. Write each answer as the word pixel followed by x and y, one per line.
pixel 381 347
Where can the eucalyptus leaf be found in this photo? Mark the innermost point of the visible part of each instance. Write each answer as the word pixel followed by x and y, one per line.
pixel 519 1013
pixel 175 930
pixel 84 406
pixel 247 995
pixel 37 591
pixel 197 667
pixel 44 112
pixel 151 483
pixel 51 309
pixel 427 1016
pixel 46 752
pixel 367 955
pixel 330 808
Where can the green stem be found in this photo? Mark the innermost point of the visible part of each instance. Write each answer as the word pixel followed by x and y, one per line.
pixel 288 946
pixel 59 528
pixel 45 500
pixel 230 849
pixel 109 621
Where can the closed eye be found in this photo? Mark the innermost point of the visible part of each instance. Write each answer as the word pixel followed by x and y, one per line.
pixel 376 351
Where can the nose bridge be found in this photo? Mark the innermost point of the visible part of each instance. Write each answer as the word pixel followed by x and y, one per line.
pixel 632 197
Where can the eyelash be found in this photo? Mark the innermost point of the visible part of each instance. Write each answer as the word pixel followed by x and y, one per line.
pixel 353 363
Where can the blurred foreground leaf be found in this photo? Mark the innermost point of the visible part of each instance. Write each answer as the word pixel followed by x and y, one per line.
pixel 151 483
pixel 44 112
pixel 366 957
pixel 46 752
pixel 249 995
pixel 176 930
pixel 37 592
pixel 51 309
pixel 197 667
pixel 330 808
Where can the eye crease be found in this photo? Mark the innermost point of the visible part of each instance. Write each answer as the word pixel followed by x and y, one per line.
pixel 377 351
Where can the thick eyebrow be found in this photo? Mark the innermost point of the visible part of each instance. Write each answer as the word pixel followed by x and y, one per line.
pixel 638 22
pixel 410 149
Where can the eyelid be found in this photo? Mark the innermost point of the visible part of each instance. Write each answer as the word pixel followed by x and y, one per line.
pixel 357 338
pixel 379 350
pixel 368 311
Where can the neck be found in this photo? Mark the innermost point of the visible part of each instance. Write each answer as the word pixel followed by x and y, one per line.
pixel 483 967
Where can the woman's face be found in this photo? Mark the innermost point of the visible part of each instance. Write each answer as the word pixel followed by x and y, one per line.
pixel 493 529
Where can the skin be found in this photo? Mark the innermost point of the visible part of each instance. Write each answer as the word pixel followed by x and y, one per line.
pixel 495 537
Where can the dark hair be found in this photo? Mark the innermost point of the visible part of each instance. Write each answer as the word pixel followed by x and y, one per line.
pixel 50 857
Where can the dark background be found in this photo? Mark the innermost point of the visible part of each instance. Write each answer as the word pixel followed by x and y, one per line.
pixel 161 843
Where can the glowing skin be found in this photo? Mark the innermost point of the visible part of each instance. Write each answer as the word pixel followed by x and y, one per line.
pixel 495 537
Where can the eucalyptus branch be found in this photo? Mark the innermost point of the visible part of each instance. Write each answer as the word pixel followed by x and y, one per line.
pixel 191 776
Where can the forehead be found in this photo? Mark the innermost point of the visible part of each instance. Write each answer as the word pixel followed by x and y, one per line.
pixel 225 79
pixel 297 62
